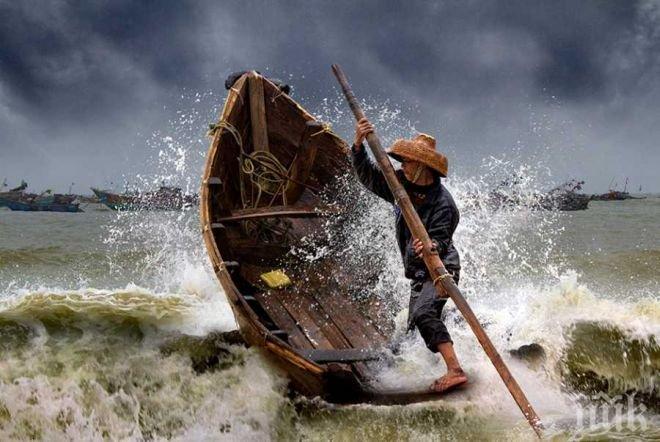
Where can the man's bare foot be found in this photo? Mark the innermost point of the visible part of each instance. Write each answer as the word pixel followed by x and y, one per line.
pixel 452 379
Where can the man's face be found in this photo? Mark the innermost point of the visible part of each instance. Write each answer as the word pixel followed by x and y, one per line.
pixel 410 168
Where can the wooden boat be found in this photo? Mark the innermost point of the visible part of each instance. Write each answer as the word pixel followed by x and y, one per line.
pixel 269 166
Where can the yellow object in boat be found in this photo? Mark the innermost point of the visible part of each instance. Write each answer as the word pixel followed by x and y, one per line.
pixel 276 279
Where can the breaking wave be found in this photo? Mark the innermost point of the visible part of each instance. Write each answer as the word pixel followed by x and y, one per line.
pixel 131 363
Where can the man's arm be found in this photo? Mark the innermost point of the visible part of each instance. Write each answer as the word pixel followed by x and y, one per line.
pixel 369 174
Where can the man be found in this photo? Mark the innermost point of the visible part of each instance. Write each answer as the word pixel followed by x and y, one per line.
pixel 421 169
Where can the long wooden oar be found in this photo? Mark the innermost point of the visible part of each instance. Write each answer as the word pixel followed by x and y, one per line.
pixel 444 283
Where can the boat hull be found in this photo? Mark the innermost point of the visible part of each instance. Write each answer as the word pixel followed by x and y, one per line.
pixel 313 328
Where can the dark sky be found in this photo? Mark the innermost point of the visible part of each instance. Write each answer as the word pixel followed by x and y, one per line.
pixel 574 85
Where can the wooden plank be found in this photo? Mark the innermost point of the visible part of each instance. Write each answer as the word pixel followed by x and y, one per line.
pixel 271 301
pixel 248 251
pixel 258 112
pixel 410 396
pixel 292 311
pixel 327 291
pixel 373 309
pixel 290 356
pixel 342 319
pixel 349 325
pixel 283 319
pixel 299 308
pixel 303 162
pixel 317 323
pixel 354 327
pixel 272 212
pixel 321 318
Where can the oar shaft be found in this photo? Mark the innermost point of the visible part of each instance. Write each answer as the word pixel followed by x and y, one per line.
pixel 432 259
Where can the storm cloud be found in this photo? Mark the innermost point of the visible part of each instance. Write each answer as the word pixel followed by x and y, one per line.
pixel 83 84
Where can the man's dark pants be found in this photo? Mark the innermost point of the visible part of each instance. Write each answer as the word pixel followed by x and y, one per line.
pixel 425 311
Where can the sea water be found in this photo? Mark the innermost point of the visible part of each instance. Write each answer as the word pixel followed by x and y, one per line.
pixel 111 325
pixel 100 332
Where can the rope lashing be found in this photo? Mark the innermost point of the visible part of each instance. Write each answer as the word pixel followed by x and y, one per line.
pixel 327 129
pixel 222 124
pixel 441 277
pixel 280 92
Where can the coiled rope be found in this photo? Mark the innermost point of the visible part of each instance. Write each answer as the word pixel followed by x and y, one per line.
pixel 263 169
pixel 267 175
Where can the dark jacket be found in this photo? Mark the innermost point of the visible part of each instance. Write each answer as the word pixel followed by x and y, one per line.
pixel 437 211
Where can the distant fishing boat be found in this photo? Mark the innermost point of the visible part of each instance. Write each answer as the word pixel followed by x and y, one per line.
pixel 11 194
pixel 565 197
pixel 27 202
pixel 53 207
pixel 165 198
pixel 615 195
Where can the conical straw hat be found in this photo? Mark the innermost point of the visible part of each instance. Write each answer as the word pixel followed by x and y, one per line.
pixel 421 149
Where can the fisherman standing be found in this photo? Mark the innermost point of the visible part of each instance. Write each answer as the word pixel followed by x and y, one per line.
pixel 421 169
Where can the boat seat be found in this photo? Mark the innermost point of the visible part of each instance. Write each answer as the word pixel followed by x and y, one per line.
pixel 283 335
pixel 213 181
pixel 323 356
pixel 273 212
pixel 231 266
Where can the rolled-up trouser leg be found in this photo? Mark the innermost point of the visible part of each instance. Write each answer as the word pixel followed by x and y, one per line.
pixel 425 312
